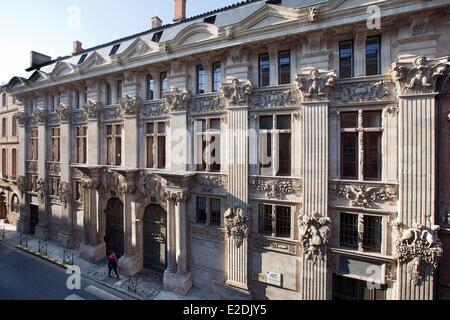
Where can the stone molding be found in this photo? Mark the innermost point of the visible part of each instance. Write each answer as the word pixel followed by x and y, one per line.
pixel 315 86
pixel 314 233
pixel 209 182
pixel 238 91
pixel 236 224
pixel 417 246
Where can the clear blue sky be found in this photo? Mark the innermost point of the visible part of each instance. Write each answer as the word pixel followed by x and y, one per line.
pixel 51 26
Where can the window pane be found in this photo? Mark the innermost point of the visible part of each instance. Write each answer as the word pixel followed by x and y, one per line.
pixel 283 222
pixel 201 86
pixel 150 128
pixel 284 67
pixel 349 120
pixel 285 154
pixel 372 119
pixel 265 219
pixel 266 122
pixel 118 151
pixel 372 152
pixel 161 152
pixel 349 155
pixel 373 56
pixel 284 122
pixel 150 162
pixel 214 125
pixel 161 127
pixel 349 230
pixel 201 210
pixel 163 84
pixel 346 59
pixel 372 234
pixel 216 215
pixel 264 70
pixel 150 88
pixel 217 77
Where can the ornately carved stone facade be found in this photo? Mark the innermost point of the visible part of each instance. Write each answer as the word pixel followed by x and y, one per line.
pixel 348 196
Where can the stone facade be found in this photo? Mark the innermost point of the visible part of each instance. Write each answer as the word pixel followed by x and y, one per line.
pixel 121 127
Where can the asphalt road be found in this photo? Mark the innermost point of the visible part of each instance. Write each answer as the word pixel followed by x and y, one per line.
pixel 25 277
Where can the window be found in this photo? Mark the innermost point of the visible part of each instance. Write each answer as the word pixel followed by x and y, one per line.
pixel 4 128
pixel 275 221
pixel 216 77
pixel 163 84
pixel 352 289
pixel 275 145
pixel 373 56
pixel 151 88
pixel 85 95
pixel 114 49
pixel 81 138
pixel 34 144
pixel 284 67
pixel 108 95
pixel 51 103
pixel 82 58
pixel 55 144
pixel 4 163
pixel 114 145
pixel 209 211
pixel 346 59
pixel 4 100
pixel 207 144
pixel 14 164
pixel 201 80
pixel 157 36
pixel 264 70
pixel 77 99
pixel 14 127
pixel 119 89
pixel 156 145
pixel 361 130
pixel 210 20
pixel 361 232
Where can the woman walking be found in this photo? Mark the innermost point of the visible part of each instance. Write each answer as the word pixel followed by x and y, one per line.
pixel 113 263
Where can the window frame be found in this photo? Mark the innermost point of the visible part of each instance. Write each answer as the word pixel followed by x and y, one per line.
pixel 208 211
pixel 378 57
pixel 273 233
pixel 55 145
pixel 280 82
pixel 352 63
pixel 216 66
pixel 81 134
pixel 156 148
pixel 113 148
pixel 205 135
pixel 261 77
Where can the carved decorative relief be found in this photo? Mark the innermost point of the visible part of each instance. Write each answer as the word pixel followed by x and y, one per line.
pixel 275 99
pixel 313 14
pixel 111 114
pixel 229 33
pixel 110 182
pixel 41 189
pixel 148 185
pixel 315 86
pixel 363 92
pixel 276 188
pixel 237 91
pixel 236 224
pixel 53 120
pixel 363 196
pixel 64 112
pixel 393 109
pixel 21 117
pixel 177 99
pixel 208 104
pixel 176 196
pixel 54 169
pixel 22 185
pixel 211 182
pixel 65 193
pixel 32 166
pixel 87 183
pixel 41 115
pixel 315 233
pixel 422 77
pixel 91 109
pixel 417 246
pixel 155 109
pixel 130 105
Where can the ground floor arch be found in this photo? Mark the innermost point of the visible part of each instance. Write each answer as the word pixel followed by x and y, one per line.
pixel 155 238
pixel 114 229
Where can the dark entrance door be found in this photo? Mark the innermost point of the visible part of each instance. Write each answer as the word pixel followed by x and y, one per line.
pixel 155 238
pixel 114 226
pixel 3 209
pixel 34 219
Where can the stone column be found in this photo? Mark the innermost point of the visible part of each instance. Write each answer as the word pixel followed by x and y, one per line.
pixel 65 235
pixel 237 93
pixel 417 85
pixel 23 225
pixel 171 235
pixel 42 231
pixel 315 88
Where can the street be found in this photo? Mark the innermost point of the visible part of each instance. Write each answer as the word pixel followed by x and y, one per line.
pixel 25 277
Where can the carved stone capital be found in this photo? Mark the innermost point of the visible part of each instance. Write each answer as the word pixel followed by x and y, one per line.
pixel 91 109
pixel 315 86
pixel 177 99
pixel 237 91
pixel 130 105
pixel 41 189
pixel 22 185
pixel 64 112
pixel 21 117
pixel 65 193
pixel 315 233
pixel 41 115
pixel 237 225
pixel 176 196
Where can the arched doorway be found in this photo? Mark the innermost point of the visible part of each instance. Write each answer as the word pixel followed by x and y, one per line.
pixel 155 238
pixel 114 226
pixel 3 208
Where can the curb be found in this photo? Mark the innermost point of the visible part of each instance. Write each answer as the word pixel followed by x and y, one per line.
pixel 38 254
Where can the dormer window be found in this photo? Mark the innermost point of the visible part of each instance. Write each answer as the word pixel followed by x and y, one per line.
pixel 114 49
pixel 157 36
pixel 210 20
pixel 83 58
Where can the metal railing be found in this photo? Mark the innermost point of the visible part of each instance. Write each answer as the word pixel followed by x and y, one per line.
pixel 43 248
pixel 133 284
pixel 2 233
pixel 23 241
pixel 68 257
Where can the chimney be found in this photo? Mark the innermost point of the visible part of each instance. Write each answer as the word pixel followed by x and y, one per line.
pixel 156 22
pixel 180 10
pixel 77 47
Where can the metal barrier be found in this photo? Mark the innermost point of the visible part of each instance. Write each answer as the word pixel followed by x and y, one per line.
pixel 68 258
pixel 2 233
pixel 43 248
pixel 133 284
pixel 23 241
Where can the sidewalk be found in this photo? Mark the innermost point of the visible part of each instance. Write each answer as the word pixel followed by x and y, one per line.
pixel 149 284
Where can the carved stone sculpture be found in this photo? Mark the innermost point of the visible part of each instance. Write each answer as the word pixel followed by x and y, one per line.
pixel 64 112
pixel 177 99
pixel 237 225
pixel 130 105
pixel 237 91
pixel 176 196
pixel 41 188
pixel 22 185
pixel 363 196
pixel 65 193
pixel 314 233
pixel 229 33
pixel 276 188
pixel 315 86
pixel 91 109
pixel 41 115
pixel 21 117
pixel 417 246
pixel 313 14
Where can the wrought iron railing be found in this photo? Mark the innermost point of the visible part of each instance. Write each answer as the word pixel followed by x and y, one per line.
pixel 68 257
pixel 23 241
pixel 43 248
pixel 133 284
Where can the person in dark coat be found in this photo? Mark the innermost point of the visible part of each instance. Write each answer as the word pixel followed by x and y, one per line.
pixel 113 263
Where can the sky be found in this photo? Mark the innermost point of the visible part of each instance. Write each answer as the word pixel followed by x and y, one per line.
pixel 51 26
